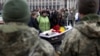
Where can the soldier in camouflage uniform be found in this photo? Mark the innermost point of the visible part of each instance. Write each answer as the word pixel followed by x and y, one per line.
pixel 84 38
pixel 16 38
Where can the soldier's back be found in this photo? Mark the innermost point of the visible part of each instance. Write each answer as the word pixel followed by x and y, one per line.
pixel 83 41
pixel 20 40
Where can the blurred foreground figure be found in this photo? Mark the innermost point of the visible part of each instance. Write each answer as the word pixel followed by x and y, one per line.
pixel 16 38
pixel 84 39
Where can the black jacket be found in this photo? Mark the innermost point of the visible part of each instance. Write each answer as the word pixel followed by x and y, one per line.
pixel 56 21
pixel 33 23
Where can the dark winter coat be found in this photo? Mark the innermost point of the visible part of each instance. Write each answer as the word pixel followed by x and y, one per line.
pixel 33 23
pixel 56 21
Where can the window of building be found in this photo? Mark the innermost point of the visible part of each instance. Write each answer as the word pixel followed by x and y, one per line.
pixel 50 3
pixel 42 3
pixel 36 7
pixel 58 6
pixel 50 6
pixel 54 7
pixel 42 6
pixel 58 2
pixel 46 3
pixel 54 3
pixel 46 6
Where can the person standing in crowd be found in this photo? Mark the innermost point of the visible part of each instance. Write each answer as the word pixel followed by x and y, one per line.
pixel 66 13
pixel 62 11
pixel 66 16
pixel 77 17
pixel 60 20
pixel 84 38
pixel 57 19
pixel 16 38
pixel 71 17
pixel 33 21
pixel 43 20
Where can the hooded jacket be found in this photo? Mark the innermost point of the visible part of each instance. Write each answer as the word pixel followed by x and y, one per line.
pixel 84 39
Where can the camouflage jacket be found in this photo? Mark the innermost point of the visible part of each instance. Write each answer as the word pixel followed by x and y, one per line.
pixel 20 40
pixel 83 39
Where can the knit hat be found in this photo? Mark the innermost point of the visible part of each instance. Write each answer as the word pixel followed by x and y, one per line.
pixel 88 6
pixel 16 11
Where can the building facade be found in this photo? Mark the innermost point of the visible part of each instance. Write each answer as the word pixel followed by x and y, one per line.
pixel 43 4
pixel 71 4
pixel 50 4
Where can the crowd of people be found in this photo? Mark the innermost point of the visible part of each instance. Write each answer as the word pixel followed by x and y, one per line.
pixel 19 35
pixel 44 20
